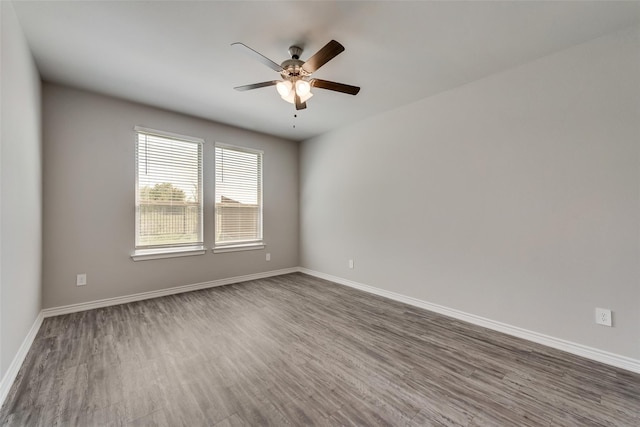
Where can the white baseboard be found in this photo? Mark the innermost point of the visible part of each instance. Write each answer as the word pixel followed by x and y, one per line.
pixel 16 364
pixel 591 353
pixel 73 308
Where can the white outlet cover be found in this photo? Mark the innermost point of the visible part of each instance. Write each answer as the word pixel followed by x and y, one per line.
pixel 603 316
pixel 81 279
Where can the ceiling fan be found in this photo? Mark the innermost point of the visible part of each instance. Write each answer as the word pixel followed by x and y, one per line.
pixel 295 86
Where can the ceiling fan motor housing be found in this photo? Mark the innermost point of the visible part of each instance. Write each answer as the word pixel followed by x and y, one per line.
pixel 292 68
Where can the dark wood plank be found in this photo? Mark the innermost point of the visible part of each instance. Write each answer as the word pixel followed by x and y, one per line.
pixel 297 350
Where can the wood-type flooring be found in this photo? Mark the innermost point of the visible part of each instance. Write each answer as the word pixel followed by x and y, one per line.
pixel 295 350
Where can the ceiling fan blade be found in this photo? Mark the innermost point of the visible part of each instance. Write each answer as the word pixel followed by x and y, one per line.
pixel 256 85
pixel 337 87
pixel 324 55
pixel 299 104
pixel 257 55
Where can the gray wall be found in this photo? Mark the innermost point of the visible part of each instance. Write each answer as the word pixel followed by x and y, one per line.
pixel 89 200
pixel 21 190
pixel 515 198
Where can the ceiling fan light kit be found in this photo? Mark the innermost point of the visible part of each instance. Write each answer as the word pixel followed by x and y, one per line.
pixel 302 87
pixel 295 86
pixel 284 88
pixel 288 90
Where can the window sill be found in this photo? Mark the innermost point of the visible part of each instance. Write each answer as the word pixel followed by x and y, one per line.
pixel 238 247
pixel 148 254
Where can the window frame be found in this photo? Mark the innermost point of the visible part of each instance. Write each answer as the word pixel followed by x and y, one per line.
pixel 246 245
pixel 147 252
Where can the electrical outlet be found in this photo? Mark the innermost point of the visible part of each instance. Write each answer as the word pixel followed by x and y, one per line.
pixel 81 279
pixel 603 316
pixel 268 257
pixel 350 263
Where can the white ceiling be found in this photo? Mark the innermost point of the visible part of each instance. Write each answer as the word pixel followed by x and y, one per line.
pixel 177 55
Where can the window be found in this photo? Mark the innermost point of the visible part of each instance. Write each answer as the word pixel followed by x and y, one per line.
pixel 238 198
pixel 168 192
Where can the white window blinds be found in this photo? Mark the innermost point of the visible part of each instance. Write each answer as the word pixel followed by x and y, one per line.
pixel 168 190
pixel 238 195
